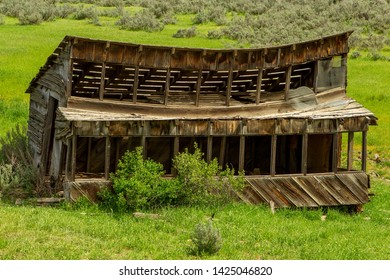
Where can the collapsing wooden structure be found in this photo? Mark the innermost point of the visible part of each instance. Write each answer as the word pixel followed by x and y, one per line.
pixel 280 114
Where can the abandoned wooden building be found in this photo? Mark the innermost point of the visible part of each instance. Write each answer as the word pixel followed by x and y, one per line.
pixel 281 114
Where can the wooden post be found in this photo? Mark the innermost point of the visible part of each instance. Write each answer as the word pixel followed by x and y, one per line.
pixel 143 144
pixel 258 85
pixel 209 148
pixel 335 152
pixel 68 161
pixel 315 78
pixel 241 159
pixel 74 154
pixel 364 150
pixel 107 158
pixel 350 150
pixel 273 155
pixel 198 84
pixel 222 152
pixel 176 148
pixel 230 81
pixel 135 85
pixel 288 81
pixel 69 81
pixel 305 138
pixel 102 82
pixel 89 154
pixel 167 85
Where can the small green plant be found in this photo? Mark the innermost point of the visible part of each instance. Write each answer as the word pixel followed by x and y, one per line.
pixel 205 239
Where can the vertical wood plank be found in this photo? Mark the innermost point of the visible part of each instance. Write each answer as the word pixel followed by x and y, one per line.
pixel 167 85
pixel 364 151
pixel 288 81
pixel 209 148
pixel 351 136
pixel 135 85
pixel 74 154
pixel 69 81
pixel 68 160
pixel 143 144
pixel 107 158
pixel 315 78
pixel 198 84
pixel 229 81
pixel 241 159
pixel 305 138
pixel 222 152
pixel 102 81
pixel 335 152
pixel 273 155
pixel 89 154
pixel 258 85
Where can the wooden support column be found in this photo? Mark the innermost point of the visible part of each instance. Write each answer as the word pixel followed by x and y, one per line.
pixel 69 82
pixel 107 159
pixel 89 154
pixel 102 81
pixel 209 142
pixel 229 81
pixel 351 136
pixel 315 78
pixel 288 81
pixel 74 154
pixel 273 155
pixel 143 144
pixel 68 160
pixel 364 150
pixel 258 85
pixel 335 152
pixel 135 85
pixel 241 159
pixel 176 148
pixel 167 85
pixel 222 152
pixel 198 84
pixel 305 138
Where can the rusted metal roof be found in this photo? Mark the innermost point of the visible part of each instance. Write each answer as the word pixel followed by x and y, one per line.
pixel 317 190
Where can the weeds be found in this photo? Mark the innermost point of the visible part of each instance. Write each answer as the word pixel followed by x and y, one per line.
pixel 205 239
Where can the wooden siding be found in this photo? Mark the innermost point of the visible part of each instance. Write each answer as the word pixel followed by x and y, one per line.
pixel 317 190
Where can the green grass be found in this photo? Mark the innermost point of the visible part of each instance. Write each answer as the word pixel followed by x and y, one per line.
pixel 248 232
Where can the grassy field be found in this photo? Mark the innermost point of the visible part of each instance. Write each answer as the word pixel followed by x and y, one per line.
pixel 247 232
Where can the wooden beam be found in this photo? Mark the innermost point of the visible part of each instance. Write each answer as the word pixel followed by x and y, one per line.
pixel 107 158
pixel 89 154
pixel 222 152
pixel 68 160
pixel 288 81
pixel 209 148
pixel 351 136
pixel 74 155
pixel 135 85
pixel 198 84
pixel 102 81
pixel 241 159
pixel 69 82
pixel 315 78
pixel 167 85
pixel 143 144
pixel 258 85
pixel 364 151
pixel 273 155
pixel 229 81
pixel 335 152
pixel 305 138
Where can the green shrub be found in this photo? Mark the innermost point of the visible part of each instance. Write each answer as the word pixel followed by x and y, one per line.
pixel 144 20
pixel 205 183
pixel 90 12
pixel 138 184
pixel 18 177
pixel 185 33
pixel 205 239
pixel 214 34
